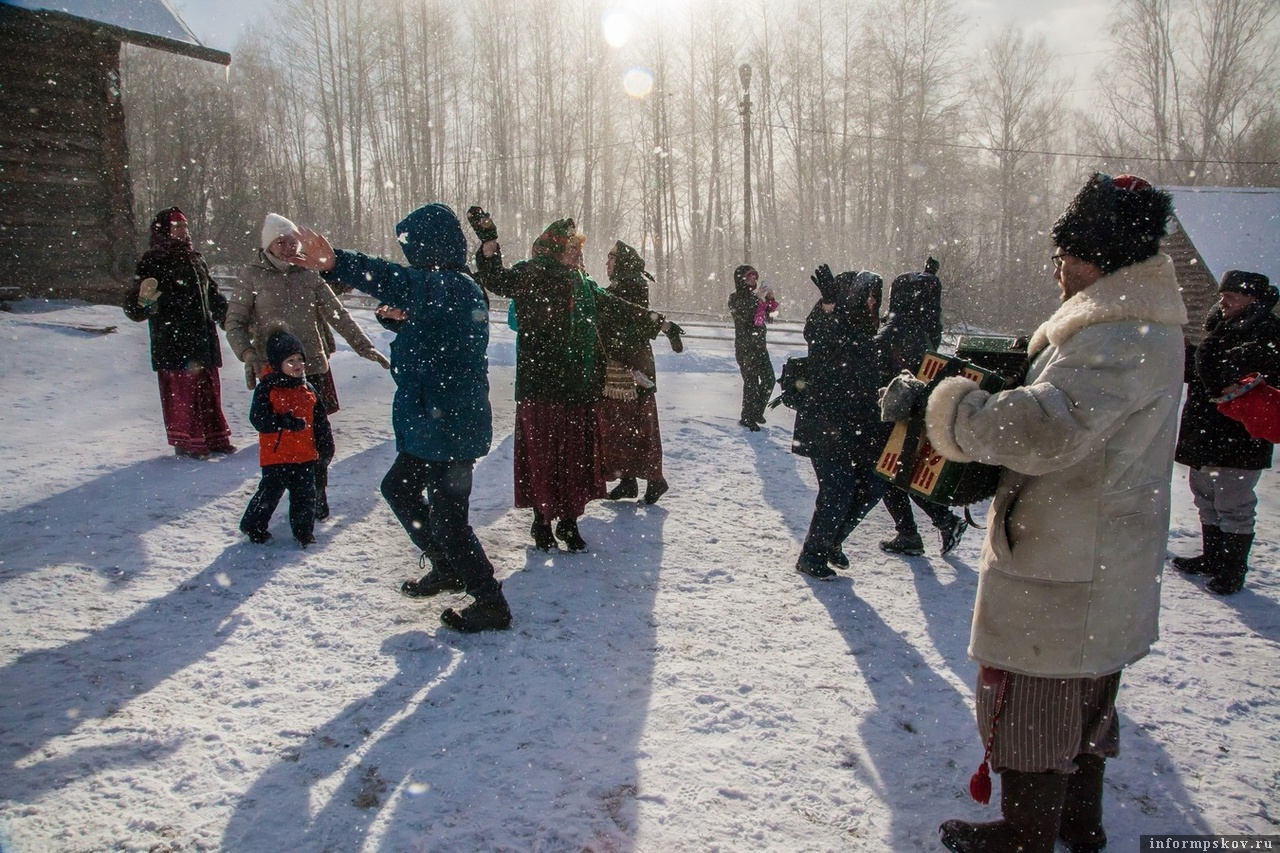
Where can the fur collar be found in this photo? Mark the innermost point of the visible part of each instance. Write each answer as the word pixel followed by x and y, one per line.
pixel 1146 291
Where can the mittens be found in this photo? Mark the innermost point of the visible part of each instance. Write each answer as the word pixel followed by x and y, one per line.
pixel 148 292
pixel 482 223
pixel 826 283
pixel 673 335
pixel 250 375
pixel 374 355
pixel 290 422
pixel 900 398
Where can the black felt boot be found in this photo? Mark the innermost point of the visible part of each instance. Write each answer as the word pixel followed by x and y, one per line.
pixel 653 490
pixel 627 488
pixel 1233 564
pixel 543 538
pixel 1081 828
pixel 1207 562
pixel 1031 804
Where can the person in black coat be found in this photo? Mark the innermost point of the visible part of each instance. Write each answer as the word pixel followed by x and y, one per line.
pixel 837 423
pixel 913 327
pixel 749 347
pixel 1225 461
pixel 173 291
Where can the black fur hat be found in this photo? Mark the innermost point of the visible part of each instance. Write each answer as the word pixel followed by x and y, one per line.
pixel 1114 222
pixel 1249 283
pixel 280 345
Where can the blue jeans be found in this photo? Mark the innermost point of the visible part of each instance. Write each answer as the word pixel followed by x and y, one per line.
pixel 439 524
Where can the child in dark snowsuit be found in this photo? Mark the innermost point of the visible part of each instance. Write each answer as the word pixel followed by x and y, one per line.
pixel 293 434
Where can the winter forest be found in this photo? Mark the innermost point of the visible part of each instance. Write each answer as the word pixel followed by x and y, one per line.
pixel 870 132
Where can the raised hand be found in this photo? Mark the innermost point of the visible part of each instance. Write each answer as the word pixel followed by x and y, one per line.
pixel 825 282
pixel 314 251
pixel 482 223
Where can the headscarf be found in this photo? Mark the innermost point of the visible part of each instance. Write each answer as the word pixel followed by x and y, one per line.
pixel 162 242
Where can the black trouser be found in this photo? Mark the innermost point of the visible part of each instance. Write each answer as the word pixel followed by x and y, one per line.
pixel 848 489
pixel 299 480
pixel 440 524
pixel 904 521
pixel 758 380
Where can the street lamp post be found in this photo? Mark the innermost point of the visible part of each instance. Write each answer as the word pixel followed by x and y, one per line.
pixel 744 74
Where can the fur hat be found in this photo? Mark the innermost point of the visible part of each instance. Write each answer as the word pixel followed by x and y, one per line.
pixel 1114 222
pixel 281 344
pixel 1248 283
pixel 275 226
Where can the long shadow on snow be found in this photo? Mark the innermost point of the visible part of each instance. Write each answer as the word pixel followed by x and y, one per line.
pixel 781 480
pixel 158 490
pixel 49 693
pixel 519 740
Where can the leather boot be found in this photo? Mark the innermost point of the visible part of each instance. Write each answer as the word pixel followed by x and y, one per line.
pixel 489 612
pixel 567 530
pixel 1081 828
pixel 1233 564
pixel 543 538
pixel 1207 562
pixel 1031 804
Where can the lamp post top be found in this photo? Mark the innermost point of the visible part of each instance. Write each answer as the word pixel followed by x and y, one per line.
pixel 744 74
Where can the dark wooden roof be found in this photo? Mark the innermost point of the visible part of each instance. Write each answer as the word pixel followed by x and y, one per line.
pixel 148 23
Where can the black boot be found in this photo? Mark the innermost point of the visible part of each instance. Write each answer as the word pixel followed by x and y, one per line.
pixel 441 578
pixel 1206 563
pixel 543 538
pixel 653 490
pixel 567 530
pixel 627 488
pixel 1233 564
pixel 1081 828
pixel 489 612
pixel 1031 804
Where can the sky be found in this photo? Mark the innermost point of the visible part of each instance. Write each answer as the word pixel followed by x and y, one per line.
pixel 1075 29
pixel 165 685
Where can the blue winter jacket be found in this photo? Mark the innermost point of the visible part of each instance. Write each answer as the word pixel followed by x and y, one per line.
pixel 441 410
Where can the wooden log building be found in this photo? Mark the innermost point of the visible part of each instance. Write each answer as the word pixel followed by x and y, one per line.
pixel 67 228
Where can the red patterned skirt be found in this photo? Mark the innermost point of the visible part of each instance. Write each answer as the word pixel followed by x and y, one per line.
pixel 630 441
pixel 557 464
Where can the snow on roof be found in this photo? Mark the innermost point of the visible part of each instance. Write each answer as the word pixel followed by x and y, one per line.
pixel 148 22
pixel 1232 227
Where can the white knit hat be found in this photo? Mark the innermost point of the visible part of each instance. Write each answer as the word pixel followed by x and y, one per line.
pixel 275 226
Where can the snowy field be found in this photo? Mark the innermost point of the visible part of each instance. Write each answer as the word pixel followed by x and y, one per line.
pixel 165 685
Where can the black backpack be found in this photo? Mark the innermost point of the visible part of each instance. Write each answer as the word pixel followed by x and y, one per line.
pixel 792 382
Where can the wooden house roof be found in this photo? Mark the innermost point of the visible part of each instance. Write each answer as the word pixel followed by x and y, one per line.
pixel 148 23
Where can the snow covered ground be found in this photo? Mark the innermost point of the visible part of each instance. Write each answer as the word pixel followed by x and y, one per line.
pixel 165 685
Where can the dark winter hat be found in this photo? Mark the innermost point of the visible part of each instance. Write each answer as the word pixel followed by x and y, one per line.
pixel 1114 222
pixel 740 277
pixel 1248 283
pixel 280 345
pixel 160 225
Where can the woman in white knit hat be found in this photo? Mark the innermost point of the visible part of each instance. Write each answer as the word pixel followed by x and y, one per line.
pixel 272 293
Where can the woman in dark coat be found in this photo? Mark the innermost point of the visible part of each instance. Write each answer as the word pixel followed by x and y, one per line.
pixel 561 316
pixel 173 291
pixel 749 347
pixel 630 440
pixel 838 424
pixel 913 327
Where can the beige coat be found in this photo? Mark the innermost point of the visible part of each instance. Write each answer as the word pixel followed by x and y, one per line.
pixel 266 297
pixel 1069 579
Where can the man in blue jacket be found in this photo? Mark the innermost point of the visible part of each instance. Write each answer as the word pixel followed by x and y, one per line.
pixel 440 414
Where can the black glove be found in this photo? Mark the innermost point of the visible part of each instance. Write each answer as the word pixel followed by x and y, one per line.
pixel 291 422
pixel 931 266
pixel 826 283
pixel 900 398
pixel 673 334
pixel 482 223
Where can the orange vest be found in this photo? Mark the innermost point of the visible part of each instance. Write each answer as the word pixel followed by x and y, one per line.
pixel 285 446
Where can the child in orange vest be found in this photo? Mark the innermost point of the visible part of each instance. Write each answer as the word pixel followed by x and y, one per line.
pixel 293 434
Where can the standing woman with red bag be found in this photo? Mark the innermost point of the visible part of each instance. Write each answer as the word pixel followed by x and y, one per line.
pixel 175 294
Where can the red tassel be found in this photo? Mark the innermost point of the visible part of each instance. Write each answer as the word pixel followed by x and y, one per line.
pixel 980 784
